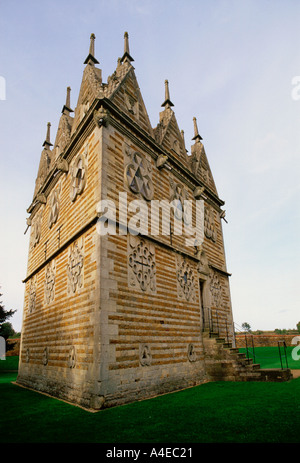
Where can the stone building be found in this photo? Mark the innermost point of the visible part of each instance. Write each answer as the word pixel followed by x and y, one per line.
pixel 115 312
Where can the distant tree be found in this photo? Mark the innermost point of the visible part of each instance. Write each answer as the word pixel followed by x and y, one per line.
pixel 246 327
pixel 6 330
pixel 4 315
pixel 280 331
pixel 298 327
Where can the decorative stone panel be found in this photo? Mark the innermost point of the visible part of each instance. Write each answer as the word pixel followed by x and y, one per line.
pixel 75 266
pixel 72 357
pixel 141 264
pixel 179 194
pixel 145 355
pixel 209 225
pixel 215 290
pixel 32 294
pixel 185 280
pixel 45 356
pixel 49 283
pixel 36 228
pixel 53 206
pixel 78 177
pixel 192 356
pixel 138 174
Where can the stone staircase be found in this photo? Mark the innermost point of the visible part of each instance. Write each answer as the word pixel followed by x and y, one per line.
pixel 224 362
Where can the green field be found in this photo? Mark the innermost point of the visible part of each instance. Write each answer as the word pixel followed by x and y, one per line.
pixel 268 357
pixel 221 412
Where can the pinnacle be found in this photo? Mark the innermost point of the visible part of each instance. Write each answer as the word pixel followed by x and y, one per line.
pixel 90 59
pixel 196 137
pixel 126 56
pixel 47 140
pixel 167 103
pixel 67 107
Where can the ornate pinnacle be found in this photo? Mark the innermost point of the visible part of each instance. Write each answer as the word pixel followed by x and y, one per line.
pixel 126 55
pixel 47 140
pixel 168 103
pixel 67 107
pixel 196 136
pixel 91 58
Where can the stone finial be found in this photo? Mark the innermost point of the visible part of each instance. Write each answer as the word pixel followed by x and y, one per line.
pixel 126 56
pixel 47 142
pixel 196 136
pixel 67 107
pixel 167 103
pixel 90 59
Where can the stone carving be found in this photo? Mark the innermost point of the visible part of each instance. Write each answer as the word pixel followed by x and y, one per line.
pixel 203 265
pixel 36 229
pixel 49 283
pixel 185 280
pixel 209 226
pixel 132 104
pixel 138 174
pixel 45 356
pixel 192 356
pixel 101 116
pixel 216 290
pixel 53 206
pixel 179 194
pixel 78 177
pixel 141 264
pixel 32 294
pixel 145 355
pixel 72 357
pixel 75 266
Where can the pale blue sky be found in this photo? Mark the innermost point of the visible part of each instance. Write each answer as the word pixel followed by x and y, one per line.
pixel 229 63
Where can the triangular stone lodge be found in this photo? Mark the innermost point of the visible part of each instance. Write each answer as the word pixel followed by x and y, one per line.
pixel 117 317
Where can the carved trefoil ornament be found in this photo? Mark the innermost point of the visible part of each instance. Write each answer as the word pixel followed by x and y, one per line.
pixel 75 266
pixel 185 280
pixel 36 228
pixel 53 206
pixel 32 295
pixel 49 282
pixel 45 358
pixel 215 290
pixel 209 223
pixel 145 355
pixel 72 357
pixel 179 194
pixel 78 177
pixel 138 174
pixel 132 104
pixel 191 353
pixel 141 264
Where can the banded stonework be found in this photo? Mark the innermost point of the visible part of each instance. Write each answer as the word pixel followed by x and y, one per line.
pixel 114 317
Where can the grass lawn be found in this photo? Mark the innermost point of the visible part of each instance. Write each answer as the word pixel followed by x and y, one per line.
pixel 221 412
pixel 268 357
